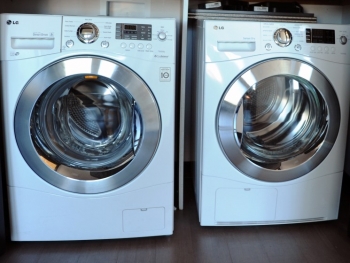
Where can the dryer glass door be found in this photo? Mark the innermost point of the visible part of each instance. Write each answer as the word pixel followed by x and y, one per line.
pixel 87 125
pixel 278 120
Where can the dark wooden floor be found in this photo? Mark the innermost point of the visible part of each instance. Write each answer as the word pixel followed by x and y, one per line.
pixel 311 242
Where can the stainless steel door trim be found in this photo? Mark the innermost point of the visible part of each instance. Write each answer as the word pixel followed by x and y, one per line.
pixel 227 110
pixel 151 121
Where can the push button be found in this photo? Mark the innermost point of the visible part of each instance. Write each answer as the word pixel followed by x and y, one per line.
pixel 104 44
pixel 70 43
pixel 297 47
pixel 268 46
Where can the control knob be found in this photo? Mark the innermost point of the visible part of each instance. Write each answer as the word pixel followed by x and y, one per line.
pixel 343 40
pixel 282 37
pixel 161 36
pixel 88 33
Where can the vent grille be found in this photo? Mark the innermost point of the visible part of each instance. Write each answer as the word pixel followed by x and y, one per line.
pixel 274 222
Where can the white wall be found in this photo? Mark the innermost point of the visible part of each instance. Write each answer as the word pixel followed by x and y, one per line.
pixel 159 8
pixel 346 14
pixel 326 14
pixel 76 7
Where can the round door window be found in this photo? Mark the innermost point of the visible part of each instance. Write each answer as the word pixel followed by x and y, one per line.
pixel 275 122
pixel 87 131
pixel 87 123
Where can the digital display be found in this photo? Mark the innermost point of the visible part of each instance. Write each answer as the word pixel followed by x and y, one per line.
pixel 130 27
pixel 133 31
pixel 321 36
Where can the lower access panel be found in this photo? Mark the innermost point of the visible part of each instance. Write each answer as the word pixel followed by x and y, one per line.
pixel 245 204
pixel 144 219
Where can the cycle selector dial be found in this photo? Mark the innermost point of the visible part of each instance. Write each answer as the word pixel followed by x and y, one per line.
pixel 88 33
pixel 343 40
pixel 282 37
pixel 161 36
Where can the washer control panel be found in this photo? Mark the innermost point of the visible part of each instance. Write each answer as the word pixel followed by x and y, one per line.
pixel 133 31
pixel 148 38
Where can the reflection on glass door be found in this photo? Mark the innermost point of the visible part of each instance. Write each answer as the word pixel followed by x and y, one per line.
pixel 281 118
pixel 86 124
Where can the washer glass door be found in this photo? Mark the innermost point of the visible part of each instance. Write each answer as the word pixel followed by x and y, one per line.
pixel 87 124
pixel 278 120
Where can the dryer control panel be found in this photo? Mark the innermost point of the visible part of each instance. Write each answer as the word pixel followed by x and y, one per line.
pixel 229 40
pixel 323 41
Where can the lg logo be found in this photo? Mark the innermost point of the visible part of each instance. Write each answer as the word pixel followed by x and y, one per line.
pixel 219 28
pixel 9 22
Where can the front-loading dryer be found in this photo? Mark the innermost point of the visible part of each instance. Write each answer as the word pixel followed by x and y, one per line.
pixel 88 108
pixel 272 103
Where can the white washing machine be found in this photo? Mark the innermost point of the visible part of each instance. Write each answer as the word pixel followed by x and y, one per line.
pixel 272 113
pixel 89 126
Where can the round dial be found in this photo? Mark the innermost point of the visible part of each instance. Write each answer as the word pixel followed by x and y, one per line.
pixel 343 40
pixel 161 35
pixel 282 37
pixel 88 33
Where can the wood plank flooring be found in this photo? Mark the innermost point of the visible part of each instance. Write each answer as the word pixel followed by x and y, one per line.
pixel 310 242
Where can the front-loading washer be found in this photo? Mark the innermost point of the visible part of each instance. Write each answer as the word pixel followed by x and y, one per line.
pixel 88 108
pixel 272 102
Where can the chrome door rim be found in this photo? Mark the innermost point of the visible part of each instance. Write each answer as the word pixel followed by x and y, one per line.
pixel 239 86
pixel 101 67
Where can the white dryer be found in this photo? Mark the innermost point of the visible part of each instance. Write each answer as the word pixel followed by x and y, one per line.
pixel 88 108
pixel 272 113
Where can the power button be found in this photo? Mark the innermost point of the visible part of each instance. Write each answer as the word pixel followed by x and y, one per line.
pixel 297 47
pixel 69 43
